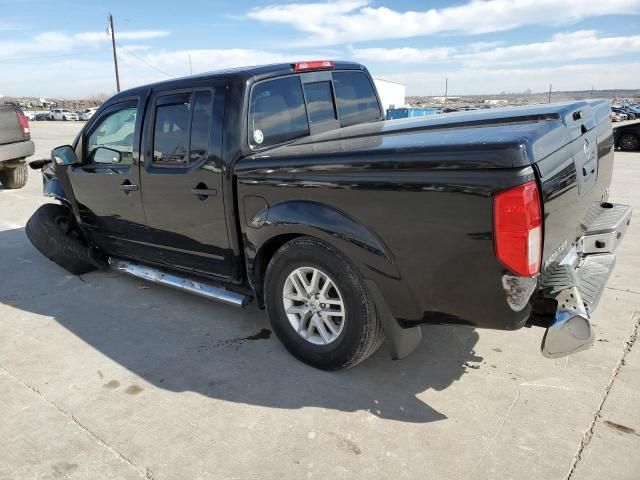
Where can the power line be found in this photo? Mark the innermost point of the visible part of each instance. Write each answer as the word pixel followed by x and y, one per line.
pixel 144 61
pixel 41 57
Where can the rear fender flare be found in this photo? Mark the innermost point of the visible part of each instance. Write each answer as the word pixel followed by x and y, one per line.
pixel 300 217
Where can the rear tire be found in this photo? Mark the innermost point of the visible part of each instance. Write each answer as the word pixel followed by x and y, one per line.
pixel 629 142
pixel 353 336
pixel 48 230
pixel 14 177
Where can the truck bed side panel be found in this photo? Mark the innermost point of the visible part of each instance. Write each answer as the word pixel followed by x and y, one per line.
pixel 436 225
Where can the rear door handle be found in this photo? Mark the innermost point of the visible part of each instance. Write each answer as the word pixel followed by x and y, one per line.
pixel 127 187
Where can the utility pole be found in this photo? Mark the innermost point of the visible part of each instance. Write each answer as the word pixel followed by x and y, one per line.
pixel 549 93
pixel 115 55
pixel 190 67
pixel 446 90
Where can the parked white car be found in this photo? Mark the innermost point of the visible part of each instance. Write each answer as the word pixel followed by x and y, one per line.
pixel 88 113
pixel 63 114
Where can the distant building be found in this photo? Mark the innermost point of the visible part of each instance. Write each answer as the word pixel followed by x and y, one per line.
pixel 392 94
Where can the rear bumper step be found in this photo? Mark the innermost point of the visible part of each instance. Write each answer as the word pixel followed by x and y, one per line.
pixel 577 282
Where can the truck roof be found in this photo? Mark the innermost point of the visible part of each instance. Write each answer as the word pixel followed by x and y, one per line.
pixel 256 72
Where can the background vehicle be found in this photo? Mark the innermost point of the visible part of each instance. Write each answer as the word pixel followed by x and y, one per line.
pixel 618 117
pixel 283 184
pixel 88 113
pixel 62 114
pixel 624 112
pixel 15 146
pixel 627 137
pixel 397 113
pixel 42 116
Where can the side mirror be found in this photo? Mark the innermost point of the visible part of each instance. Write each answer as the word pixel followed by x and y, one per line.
pixel 106 155
pixel 64 155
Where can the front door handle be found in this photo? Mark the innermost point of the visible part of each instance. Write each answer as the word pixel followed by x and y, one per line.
pixel 203 192
pixel 127 187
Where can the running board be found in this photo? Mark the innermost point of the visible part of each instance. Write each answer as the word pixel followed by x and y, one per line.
pixel 181 283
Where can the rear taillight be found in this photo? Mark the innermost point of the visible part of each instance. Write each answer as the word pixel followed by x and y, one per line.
pixel 24 125
pixel 517 225
pixel 314 65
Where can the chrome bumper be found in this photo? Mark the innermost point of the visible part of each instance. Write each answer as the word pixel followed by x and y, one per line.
pixel 576 283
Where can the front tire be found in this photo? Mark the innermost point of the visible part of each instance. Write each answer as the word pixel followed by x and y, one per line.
pixel 49 231
pixel 14 177
pixel 319 306
pixel 629 142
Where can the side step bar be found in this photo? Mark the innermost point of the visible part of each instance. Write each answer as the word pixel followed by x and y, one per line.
pixel 181 283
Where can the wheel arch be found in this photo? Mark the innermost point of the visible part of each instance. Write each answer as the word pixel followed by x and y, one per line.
pixel 291 219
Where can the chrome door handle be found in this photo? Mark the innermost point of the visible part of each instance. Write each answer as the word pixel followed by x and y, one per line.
pixel 127 187
pixel 205 192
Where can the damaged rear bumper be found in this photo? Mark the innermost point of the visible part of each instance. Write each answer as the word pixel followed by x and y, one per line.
pixel 572 287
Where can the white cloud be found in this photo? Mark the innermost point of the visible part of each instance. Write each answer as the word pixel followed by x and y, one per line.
pixel 346 21
pixel 563 47
pixel 470 81
pixel 99 37
pixel 61 42
pixel 402 55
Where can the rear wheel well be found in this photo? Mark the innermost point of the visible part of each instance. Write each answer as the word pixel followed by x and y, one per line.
pixel 261 262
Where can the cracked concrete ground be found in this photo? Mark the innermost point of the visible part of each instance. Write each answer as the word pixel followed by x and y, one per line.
pixel 104 376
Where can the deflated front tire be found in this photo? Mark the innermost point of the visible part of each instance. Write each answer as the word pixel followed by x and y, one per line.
pixel 51 231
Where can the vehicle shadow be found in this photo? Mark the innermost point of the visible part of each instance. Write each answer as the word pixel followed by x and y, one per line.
pixel 181 343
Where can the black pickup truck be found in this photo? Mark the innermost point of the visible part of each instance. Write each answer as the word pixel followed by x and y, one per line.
pixel 283 184
pixel 15 146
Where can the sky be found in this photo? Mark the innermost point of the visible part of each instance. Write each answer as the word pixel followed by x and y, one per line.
pixel 60 48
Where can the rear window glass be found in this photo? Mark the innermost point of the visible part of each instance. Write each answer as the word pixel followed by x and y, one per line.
pixel 174 144
pixel 171 134
pixel 356 98
pixel 277 112
pixel 319 102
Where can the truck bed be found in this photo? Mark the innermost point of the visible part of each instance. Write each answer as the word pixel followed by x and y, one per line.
pixel 421 192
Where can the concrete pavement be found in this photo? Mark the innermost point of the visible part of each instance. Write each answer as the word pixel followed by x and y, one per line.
pixel 104 376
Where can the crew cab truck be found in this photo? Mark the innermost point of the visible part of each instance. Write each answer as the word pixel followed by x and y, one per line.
pixel 15 146
pixel 284 185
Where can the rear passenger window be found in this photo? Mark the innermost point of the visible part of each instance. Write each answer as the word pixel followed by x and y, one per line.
pixel 355 97
pixel 277 112
pixel 319 102
pixel 181 130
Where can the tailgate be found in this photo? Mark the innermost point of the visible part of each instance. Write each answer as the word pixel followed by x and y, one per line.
pixel 576 177
pixel 10 130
